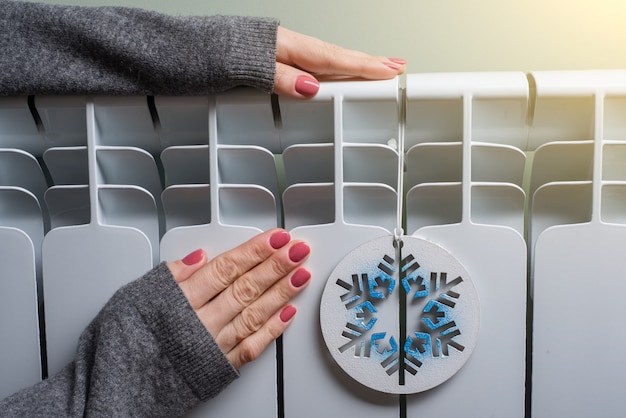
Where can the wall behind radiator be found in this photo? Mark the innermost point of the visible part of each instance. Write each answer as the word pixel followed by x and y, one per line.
pixel 443 35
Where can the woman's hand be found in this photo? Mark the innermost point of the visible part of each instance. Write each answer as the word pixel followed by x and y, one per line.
pixel 299 57
pixel 242 295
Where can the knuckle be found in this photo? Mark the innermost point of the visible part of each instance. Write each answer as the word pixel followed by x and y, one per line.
pixel 274 332
pixel 259 253
pixel 281 295
pixel 224 269
pixel 277 267
pixel 244 291
pixel 249 321
pixel 329 52
pixel 249 351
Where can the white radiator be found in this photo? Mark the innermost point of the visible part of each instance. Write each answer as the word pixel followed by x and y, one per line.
pixel 519 179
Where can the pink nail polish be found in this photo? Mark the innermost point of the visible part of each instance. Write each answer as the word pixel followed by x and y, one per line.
pixel 392 65
pixel 279 239
pixel 400 61
pixel 298 252
pixel 287 313
pixel 300 277
pixel 193 258
pixel 307 85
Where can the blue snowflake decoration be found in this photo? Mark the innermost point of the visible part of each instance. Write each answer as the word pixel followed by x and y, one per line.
pixel 409 311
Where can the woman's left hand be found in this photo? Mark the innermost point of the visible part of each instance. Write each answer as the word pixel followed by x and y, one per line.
pixel 301 58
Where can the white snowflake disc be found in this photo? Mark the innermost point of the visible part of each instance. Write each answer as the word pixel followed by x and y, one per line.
pixel 400 320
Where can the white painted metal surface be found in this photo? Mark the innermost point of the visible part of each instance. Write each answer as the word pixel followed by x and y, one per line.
pixel 443 159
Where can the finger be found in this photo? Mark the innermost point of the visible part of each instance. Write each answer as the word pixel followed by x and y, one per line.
pixel 252 347
pixel 223 270
pixel 248 288
pixel 321 58
pixel 185 268
pixel 292 82
pixel 252 318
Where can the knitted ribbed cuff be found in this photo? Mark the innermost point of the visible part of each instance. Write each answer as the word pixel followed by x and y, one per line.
pixel 183 338
pixel 252 58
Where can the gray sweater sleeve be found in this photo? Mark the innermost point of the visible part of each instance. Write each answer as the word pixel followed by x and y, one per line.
pixel 53 49
pixel 145 354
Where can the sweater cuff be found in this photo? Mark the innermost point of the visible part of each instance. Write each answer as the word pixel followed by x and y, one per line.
pixel 255 69
pixel 193 352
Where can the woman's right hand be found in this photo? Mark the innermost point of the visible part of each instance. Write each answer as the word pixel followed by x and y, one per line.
pixel 242 296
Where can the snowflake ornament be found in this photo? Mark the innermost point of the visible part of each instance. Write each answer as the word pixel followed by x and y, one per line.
pixel 400 316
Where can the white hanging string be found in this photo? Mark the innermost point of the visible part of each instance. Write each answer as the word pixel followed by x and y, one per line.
pixel 399 231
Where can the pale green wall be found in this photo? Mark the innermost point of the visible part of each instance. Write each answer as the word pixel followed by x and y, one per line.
pixel 444 35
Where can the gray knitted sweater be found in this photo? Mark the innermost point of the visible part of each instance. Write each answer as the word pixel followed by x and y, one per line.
pixel 146 353
pixel 51 49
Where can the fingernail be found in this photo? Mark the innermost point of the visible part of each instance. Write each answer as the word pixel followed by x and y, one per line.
pixel 279 239
pixel 392 65
pixel 307 85
pixel 300 277
pixel 287 313
pixel 298 252
pixel 193 258
pixel 400 61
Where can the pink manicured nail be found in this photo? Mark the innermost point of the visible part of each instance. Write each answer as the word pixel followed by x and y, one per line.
pixel 307 85
pixel 300 277
pixel 298 252
pixel 287 313
pixel 279 239
pixel 400 61
pixel 392 65
pixel 193 258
